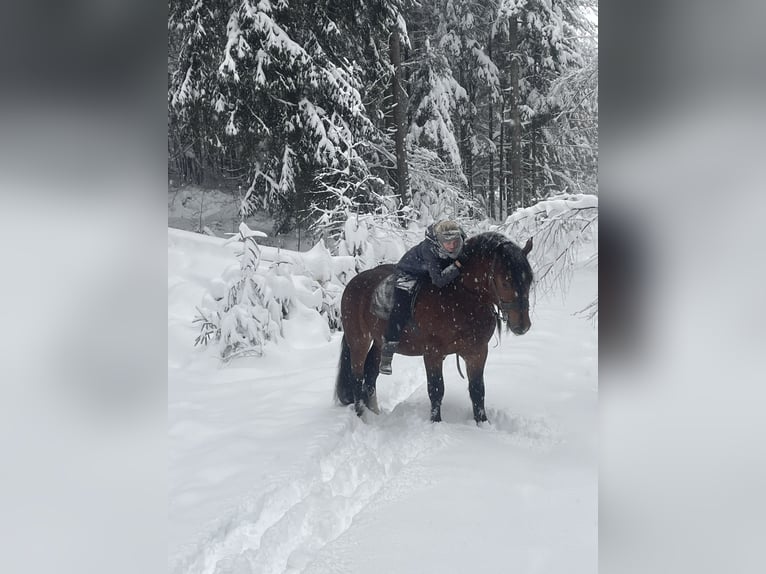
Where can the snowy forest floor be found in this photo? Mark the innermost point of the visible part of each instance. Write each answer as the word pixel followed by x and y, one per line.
pixel 267 475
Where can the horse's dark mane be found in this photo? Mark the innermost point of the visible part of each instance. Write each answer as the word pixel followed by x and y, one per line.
pixel 485 243
pixel 490 243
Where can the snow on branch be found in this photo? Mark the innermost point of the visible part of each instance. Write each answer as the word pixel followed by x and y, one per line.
pixel 356 220
pixel 559 228
pixel 432 124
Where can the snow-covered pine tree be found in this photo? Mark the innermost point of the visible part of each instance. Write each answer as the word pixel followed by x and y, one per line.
pixel 435 93
pixel 247 315
pixel 463 34
pixel 573 131
pixel 540 41
pixel 280 86
pixel 194 31
pixel 295 98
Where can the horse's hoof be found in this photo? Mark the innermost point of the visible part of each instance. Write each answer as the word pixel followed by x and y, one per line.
pixel 436 417
pixel 372 404
pixel 481 420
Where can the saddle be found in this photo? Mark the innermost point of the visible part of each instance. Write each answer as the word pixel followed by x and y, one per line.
pixel 383 297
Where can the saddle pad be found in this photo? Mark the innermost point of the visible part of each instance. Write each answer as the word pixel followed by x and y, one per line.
pixel 383 297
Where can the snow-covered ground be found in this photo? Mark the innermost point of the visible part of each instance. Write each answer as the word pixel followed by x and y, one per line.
pixel 267 475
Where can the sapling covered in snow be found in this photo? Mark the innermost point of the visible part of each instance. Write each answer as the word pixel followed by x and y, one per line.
pixel 248 314
pixel 251 303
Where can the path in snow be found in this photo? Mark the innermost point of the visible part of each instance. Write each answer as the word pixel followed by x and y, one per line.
pixel 282 529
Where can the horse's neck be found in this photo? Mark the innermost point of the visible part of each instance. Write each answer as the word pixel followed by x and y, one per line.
pixel 476 280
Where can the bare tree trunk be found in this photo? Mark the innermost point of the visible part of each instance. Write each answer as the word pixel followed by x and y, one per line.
pixel 517 195
pixel 400 120
pixel 501 155
pixel 465 146
pixel 538 160
pixel 466 131
pixel 491 194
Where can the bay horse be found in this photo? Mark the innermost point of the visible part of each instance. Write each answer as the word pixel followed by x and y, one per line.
pixel 460 318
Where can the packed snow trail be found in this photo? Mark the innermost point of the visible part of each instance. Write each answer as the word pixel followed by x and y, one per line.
pixel 283 528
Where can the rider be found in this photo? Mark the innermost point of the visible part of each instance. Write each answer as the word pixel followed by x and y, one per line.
pixel 435 259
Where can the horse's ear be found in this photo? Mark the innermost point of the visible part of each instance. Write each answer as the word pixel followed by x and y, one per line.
pixel 528 247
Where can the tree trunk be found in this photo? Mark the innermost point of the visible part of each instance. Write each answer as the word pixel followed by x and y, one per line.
pixel 538 160
pixel 400 120
pixel 491 194
pixel 468 157
pixel 534 164
pixel 467 136
pixel 517 194
pixel 500 157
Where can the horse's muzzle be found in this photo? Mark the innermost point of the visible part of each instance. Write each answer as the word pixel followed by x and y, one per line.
pixel 520 329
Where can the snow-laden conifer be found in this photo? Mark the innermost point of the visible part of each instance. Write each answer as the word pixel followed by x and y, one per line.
pixel 246 316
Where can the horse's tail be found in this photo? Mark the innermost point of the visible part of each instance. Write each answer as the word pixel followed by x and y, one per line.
pixel 344 383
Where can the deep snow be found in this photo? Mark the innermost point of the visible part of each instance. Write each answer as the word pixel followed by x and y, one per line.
pixel 267 475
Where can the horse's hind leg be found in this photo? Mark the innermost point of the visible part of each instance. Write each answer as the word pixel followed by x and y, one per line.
pixel 359 355
pixel 371 371
pixel 435 385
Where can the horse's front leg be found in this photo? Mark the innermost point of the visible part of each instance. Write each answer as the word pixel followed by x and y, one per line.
pixel 475 367
pixel 435 385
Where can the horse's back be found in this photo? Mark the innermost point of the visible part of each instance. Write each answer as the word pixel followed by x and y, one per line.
pixel 366 281
pixel 355 302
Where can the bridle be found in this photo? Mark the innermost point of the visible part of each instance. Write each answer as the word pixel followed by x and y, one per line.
pixel 520 304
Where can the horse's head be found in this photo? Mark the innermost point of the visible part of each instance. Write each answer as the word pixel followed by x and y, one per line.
pixel 511 279
pixel 500 270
